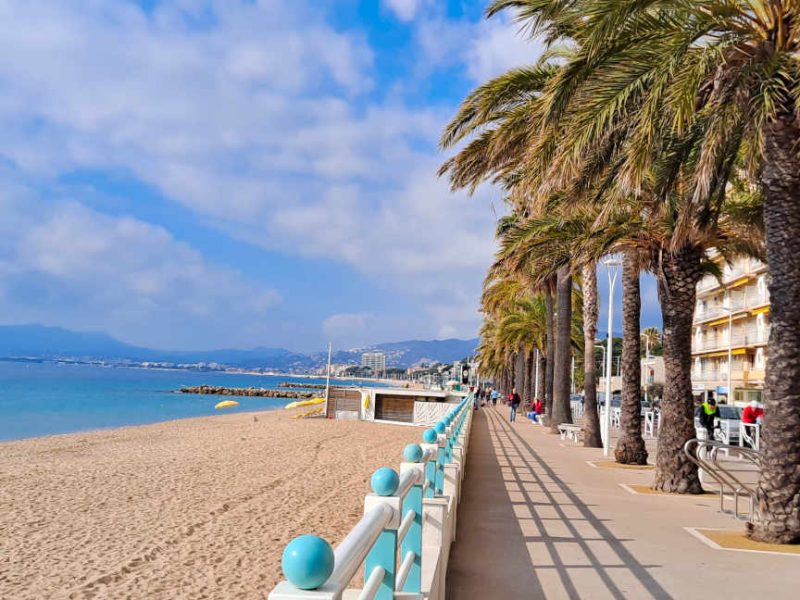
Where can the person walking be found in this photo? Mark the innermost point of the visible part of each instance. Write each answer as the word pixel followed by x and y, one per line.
pixel 495 396
pixel 515 402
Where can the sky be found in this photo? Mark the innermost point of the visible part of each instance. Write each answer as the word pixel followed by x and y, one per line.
pixel 191 174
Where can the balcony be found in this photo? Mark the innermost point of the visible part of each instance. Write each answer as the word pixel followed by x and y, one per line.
pixel 708 375
pixel 740 340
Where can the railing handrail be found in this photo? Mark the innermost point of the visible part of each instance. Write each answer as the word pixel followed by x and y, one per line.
pixel 353 549
pixel 391 514
pixel 723 476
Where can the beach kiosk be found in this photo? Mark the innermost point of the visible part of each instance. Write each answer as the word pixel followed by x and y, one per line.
pixel 422 408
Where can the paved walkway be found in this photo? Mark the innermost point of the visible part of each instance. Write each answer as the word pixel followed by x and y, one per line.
pixel 536 521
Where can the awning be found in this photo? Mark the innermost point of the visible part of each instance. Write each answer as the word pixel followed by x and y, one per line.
pixel 739 282
pixel 724 353
pixel 724 320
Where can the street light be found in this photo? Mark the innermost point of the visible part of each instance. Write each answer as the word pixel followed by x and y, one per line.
pixel 612 270
pixel 646 362
pixel 603 348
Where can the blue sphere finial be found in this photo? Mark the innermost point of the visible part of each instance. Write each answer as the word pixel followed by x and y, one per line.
pixel 412 453
pixel 440 427
pixel 429 436
pixel 384 481
pixel 307 562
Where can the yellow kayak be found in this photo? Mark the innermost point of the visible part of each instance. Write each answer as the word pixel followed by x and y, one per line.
pixel 226 404
pixel 309 402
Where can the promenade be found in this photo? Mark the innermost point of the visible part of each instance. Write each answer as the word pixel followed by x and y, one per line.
pixel 537 521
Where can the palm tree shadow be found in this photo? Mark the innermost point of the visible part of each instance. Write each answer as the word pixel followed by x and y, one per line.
pixel 489 558
pixel 572 551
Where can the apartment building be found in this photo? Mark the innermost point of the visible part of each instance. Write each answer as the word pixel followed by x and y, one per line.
pixel 731 329
pixel 375 361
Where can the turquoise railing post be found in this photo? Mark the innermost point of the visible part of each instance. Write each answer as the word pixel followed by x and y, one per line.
pixel 412 542
pixel 429 437
pixel 440 439
pixel 383 554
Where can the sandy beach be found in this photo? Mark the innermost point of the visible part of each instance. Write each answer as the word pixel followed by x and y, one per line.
pixel 195 508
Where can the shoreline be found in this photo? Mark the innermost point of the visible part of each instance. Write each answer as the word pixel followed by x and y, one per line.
pixel 188 508
pixel 112 428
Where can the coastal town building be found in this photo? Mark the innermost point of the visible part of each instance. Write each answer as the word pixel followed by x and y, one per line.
pixel 375 361
pixel 730 332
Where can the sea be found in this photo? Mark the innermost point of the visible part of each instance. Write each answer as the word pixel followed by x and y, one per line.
pixel 50 398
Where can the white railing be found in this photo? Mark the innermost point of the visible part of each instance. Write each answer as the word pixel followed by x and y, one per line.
pixel 739 339
pixel 576 406
pixel 750 434
pixel 652 422
pixel 403 540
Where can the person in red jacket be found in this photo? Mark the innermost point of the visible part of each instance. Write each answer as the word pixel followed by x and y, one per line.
pixel 752 412
pixel 751 415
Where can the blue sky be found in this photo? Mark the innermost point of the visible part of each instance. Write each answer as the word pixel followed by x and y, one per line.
pixel 199 173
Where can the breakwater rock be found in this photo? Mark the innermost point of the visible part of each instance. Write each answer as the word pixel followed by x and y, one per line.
pixel 215 390
pixel 306 386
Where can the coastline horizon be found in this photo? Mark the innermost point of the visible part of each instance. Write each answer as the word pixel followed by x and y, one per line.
pixel 45 399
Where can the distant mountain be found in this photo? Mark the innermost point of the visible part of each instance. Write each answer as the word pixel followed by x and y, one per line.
pixel 39 341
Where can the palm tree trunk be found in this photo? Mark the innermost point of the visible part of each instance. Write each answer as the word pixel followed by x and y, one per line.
pixel 540 373
pixel 630 448
pixel 678 275
pixel 561 367
pixel 591 426
pixel 519 370
pixel 525 373
pixel 531 377
pixel 777 514
pixel 551 349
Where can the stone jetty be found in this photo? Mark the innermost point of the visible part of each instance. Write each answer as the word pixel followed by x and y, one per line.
pixel 215 390
pixel 305 386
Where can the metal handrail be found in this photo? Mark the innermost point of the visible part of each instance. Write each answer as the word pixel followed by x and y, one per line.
pixel 724 477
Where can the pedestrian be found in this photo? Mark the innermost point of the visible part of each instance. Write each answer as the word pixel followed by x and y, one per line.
pixel 515 401
pixel 495 396
pixel 752 412
pixel 475 398
pixel 751 415
pixel 536 410
pixel 709 416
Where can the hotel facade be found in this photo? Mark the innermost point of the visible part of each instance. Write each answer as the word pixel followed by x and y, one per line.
pixel 730 332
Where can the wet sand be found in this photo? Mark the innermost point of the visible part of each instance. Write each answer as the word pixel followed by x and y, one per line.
pixel 195 508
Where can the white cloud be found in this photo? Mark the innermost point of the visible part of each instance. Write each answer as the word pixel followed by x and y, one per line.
pixel 254 115
pixel 405 10
pixel 498 45
pixel 120 275
pixel 347 329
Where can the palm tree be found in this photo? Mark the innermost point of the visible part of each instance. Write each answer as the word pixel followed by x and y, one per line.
pixel 620 118
pixel 563 355
pixel 630 448
pixel 591 428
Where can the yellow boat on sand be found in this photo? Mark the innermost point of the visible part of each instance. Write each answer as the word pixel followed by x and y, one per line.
pixel 226 404
pixel 309 402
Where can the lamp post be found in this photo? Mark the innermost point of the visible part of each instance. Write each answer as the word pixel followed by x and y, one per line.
pixel 646 363
pixel 603 348
pixel 612 270
pixel 572 386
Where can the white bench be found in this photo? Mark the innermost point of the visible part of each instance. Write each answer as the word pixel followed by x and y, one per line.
pixel 567 431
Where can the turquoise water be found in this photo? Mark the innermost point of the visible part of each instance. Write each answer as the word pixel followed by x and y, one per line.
pixel 43 399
